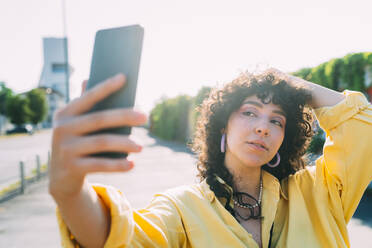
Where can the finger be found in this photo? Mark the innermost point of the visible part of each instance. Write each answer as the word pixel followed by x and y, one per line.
pixel 83 86
pixel 89 123
pixel 94 95
pixel 104 143
pixel 93 165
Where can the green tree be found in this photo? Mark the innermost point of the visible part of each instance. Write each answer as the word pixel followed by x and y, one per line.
pixel 333 73
pixel 303 73
pixel 355 64
pixel 182 106
pixel 38 105
pixel 18 110
pixel 347 72
pixel 202 94
pixel 194 114
pixel 317 142
pixel 170 118
pixel 175 118
pixel 318 75
pixel 5 94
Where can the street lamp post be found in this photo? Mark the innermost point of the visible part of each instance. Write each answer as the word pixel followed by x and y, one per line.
pixel 65 45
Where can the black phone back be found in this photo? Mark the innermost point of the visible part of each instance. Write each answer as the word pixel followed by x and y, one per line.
pixel 116 50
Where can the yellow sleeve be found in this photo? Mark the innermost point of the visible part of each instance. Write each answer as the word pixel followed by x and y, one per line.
pixel 157 225
pixel 346 165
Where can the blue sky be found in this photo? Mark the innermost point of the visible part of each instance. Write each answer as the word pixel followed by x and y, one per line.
pixel 187 44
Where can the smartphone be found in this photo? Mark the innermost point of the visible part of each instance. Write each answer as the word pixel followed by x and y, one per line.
pixel 116 50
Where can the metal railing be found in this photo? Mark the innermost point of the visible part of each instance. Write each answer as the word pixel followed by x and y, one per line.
pixel 17 185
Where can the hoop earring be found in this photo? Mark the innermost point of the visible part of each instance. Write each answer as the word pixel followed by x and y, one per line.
pixel 223 140
pixel 277 161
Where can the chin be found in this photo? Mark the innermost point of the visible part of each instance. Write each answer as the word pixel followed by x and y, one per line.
pixel 247 159
pixel 252 162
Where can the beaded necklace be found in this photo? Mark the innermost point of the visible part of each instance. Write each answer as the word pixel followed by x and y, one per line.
pixel 254 214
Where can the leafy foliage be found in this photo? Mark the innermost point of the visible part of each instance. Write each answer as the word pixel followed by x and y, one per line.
pixel 18 110
pixel 317 142
pixel 169 118
pixel 5 94
pixel 38 106
pixel 174 118
pixel 340 73
pixel 23 108
pixel 197 101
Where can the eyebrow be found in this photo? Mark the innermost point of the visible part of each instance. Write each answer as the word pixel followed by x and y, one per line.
pixel 260 106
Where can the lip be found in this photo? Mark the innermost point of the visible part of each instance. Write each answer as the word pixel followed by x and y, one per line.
pixel 258 144
pixel 256 147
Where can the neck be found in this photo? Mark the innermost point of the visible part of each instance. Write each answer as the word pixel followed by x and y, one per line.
pixel 245 178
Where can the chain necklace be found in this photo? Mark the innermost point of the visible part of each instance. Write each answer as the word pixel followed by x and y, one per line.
pixel 249 206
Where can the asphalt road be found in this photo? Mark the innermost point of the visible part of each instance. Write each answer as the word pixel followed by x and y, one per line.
pixel 29 220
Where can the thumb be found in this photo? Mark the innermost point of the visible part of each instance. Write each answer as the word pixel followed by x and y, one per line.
pixel 83 86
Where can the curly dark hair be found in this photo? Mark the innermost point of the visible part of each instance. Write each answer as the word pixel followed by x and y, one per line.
pixel 221 103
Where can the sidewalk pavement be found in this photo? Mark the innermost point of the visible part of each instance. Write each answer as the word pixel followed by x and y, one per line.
pixel 29 220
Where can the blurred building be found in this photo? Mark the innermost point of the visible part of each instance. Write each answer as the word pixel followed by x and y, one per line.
pixel 53 76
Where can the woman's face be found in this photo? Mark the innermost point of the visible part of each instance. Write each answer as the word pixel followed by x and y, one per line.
pixel 254 122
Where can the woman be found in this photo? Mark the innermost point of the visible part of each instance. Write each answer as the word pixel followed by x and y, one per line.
pixel 255 190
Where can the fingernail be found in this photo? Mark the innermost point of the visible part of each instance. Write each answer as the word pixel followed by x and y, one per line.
pixel 119 76
pixel 142 115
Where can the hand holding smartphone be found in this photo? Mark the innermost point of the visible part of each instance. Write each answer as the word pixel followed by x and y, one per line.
pixel 107 102
pixel 116 50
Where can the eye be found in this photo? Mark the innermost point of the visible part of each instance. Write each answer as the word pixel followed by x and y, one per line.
pixel 278 123
pixel 248 113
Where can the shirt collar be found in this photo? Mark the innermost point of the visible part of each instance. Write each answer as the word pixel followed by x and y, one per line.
pixel 270 183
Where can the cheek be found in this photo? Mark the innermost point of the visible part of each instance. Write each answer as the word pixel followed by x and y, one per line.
pixel 279 137
pixel 233 137
pixel 238 126
pixel 237 129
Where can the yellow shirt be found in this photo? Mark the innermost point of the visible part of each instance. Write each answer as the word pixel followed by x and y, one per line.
pixel 309 209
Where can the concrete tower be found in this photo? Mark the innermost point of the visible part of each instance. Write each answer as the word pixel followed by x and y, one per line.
pixel 53 75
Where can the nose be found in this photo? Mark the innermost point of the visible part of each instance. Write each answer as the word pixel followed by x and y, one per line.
pixel 262 129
